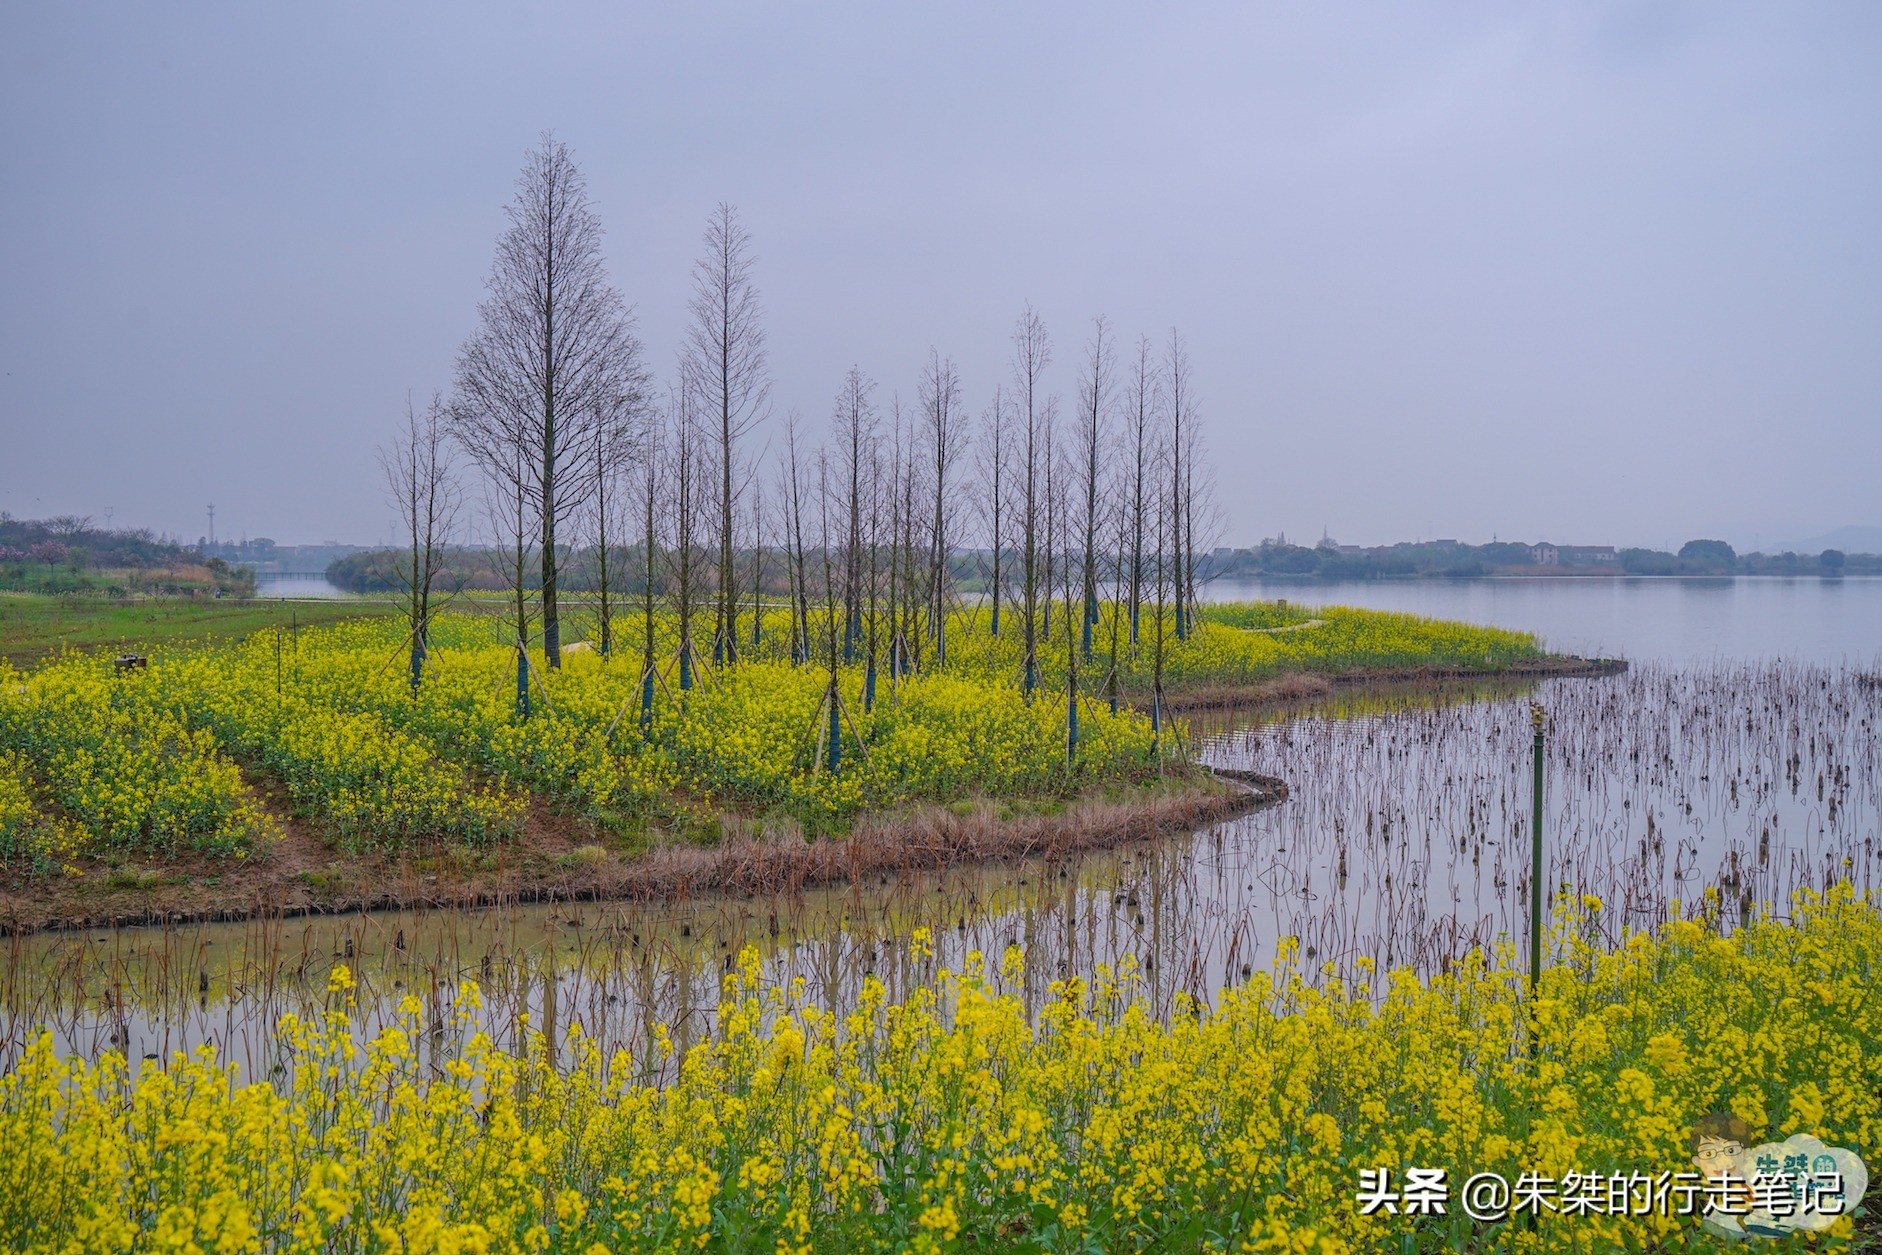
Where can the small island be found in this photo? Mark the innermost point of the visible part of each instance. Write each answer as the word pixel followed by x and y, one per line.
pixel 301 768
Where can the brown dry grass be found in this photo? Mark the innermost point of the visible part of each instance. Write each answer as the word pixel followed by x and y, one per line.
pixel 556 860
pixel 1295 687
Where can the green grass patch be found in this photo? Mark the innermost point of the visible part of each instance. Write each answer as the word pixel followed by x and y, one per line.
pixel 35 627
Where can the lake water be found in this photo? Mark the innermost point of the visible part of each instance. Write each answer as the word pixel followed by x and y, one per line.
pixel 1646 618
pixel 1737 762
pixel 297 587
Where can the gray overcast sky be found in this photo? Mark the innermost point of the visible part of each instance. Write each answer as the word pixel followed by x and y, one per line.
pixel 1605 272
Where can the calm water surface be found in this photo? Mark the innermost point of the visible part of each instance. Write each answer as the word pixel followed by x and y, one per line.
pixel 1699 780
pixel 298 587
pixel 1664 619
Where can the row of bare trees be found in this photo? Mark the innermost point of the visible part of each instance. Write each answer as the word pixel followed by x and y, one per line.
pixel 905 517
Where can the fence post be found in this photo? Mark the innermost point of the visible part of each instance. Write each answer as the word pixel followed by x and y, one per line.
pixel 1536 720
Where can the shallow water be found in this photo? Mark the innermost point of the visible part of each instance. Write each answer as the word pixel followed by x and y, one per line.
pixel 298 587
pixel 1644 618
pixel 1405 842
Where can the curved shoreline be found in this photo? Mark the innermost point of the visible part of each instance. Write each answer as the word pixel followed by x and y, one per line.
pixel 311 880
pixel 1298 686
pixel 933 838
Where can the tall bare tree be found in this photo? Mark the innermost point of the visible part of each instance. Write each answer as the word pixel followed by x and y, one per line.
pixel 421 483
pixel 1161 580
pixel 653 466
pixel 1032 353
pixel 617 441
pixel 899 486
pixel 1094 403
pixel 507 494
pixel 853 432
pixel 685 455
pixel 940 396
pixel 1182 476
pixel 877 479
pixel 725 363
pixel 1141 422
pixel 554 355
pixel 757 564
pixel 791 484
pixel 993 472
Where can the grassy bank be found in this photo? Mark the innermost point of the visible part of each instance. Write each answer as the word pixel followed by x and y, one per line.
pixel 35 628
pixel 557 859
pixel 303 769
pixel 953 1121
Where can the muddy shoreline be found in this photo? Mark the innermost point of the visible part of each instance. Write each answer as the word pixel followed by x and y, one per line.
pixel 1299 686
pixel 927 839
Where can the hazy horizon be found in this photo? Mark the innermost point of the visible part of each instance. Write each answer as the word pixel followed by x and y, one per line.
pixel 1605 275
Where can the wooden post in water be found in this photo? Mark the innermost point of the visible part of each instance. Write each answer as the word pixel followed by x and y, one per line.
pixel 1536 718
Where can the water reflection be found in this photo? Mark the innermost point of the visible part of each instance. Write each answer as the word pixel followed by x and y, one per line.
pixel 1669 619
pixel 1404 843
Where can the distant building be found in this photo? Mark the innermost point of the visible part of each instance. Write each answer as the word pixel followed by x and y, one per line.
pixel 1545 554
pixel 1588 555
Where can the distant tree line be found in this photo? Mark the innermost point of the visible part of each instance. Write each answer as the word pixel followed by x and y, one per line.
pixel 1454 559
pixel 75 540
pixel 70 553
pixel 579 467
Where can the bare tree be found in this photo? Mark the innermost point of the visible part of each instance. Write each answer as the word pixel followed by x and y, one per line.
pixel 725 363
pixel 896 483
pixel 616 441
pixel 1162 583
pixel 554 355
pixel 1124 569
pixel 1182 548
pixel 907 479
pixel 1063 536
pixel 1140 411
pixel 653 466
pixel 685 456
pixel 993 471
pixel 1032 353
pixel 853 431
pixel 833 733
pixel 757 564
pixel 422 486
pixel 941 421
pixel 1094 402
pixel 1054 515
pixel 792 491
pixel 513 535
pixel 876 479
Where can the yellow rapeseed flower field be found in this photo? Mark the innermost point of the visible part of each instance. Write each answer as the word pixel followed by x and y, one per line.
pixel 163 761
pixel 951 1121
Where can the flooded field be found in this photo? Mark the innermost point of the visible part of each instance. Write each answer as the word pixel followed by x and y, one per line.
pixel 1405 843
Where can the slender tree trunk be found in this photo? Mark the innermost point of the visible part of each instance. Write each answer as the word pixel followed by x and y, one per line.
pixel 647 659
